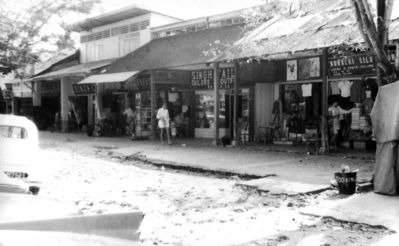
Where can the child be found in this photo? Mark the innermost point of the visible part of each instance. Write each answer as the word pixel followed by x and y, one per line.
pixel 173 130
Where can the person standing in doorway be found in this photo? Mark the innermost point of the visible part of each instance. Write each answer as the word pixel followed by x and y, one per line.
pixel 163 122
pixel 130 118
pixel 336 113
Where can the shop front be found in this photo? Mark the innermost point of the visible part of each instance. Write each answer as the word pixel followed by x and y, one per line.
pixel 297 108
pixel 45 115
pixel 170 87
pixel 81 107
pixel 111 99
pixel 202 82
pixel 352 85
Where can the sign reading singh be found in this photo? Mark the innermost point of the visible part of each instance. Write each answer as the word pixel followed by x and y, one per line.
pixel 203 79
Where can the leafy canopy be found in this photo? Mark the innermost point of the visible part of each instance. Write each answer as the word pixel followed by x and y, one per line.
pixel 29 27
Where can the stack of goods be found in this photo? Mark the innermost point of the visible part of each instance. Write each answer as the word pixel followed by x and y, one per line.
pixel 356 118
pixel 363 122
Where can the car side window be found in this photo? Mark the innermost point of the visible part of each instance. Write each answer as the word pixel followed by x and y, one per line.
pixel 13 132
pixel 4 131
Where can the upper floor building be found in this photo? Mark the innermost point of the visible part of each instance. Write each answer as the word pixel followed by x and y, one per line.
pixel 117 33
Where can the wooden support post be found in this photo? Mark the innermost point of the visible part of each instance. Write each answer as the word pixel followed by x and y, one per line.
pixel 397 57
pixel 324 133
pixel 153 106
pixel 236 81
pixel 216 95
pixel 64 104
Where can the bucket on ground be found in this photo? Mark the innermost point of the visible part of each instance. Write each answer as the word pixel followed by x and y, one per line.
pixel 346 182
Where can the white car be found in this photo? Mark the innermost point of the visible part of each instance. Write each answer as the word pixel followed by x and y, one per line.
pixel 19 149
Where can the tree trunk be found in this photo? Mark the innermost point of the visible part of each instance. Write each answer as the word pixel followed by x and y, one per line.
pixel 376 35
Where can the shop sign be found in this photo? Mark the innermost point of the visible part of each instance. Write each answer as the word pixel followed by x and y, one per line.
pixel 84 89
pixel 50 89
pixel 114 88
pixel 309 68
pixel 203 79
pixel 143 83
pixel 358 65
pixel 227 76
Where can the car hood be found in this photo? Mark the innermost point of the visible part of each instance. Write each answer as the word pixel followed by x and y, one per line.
pixel 46 238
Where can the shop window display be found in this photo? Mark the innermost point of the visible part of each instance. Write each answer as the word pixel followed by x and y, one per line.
pixel 357 96
pixel 143 114
pixel 301 109
pixel 205 104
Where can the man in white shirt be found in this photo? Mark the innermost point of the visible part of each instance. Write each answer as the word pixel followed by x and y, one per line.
pixel 163 121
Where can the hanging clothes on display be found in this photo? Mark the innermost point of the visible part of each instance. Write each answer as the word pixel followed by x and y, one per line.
pixel 384 116
pixel 335 93
pixel 345 90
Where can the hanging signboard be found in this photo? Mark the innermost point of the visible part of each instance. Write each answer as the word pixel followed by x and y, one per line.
pixel 348 66
pixel 203 79
pixel 309 68
pixel 84 89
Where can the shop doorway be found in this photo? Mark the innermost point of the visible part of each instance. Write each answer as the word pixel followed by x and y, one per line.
pixel 78 113
pixel 243 114
pixel 44 116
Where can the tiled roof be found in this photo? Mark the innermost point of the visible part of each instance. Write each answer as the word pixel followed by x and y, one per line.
pixel 321 23
pixel 185 49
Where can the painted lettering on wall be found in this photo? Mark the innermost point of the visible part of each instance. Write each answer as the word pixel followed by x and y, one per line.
pixel 203 79
pixel 356 65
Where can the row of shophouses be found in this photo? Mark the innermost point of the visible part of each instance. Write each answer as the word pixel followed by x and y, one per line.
pixel 219 75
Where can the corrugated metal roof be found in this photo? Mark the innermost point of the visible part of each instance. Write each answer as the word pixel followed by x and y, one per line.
pixel 83 68
pixel 108 78
pixel 180 50
pixel 318 24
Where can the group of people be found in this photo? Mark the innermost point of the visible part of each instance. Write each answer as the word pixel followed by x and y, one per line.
pixel 166 125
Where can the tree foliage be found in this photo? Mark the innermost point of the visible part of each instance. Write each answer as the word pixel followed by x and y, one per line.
pixel 23 24
pixel 374 28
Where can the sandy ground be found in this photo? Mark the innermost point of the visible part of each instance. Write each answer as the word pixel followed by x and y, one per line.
pixel 189 209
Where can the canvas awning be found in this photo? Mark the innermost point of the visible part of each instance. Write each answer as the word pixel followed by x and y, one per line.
pixel 80 69
pixel 108 78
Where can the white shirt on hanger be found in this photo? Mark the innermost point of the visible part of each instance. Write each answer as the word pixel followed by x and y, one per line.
pixel 334 88
pixel 306 90
pixel 345 87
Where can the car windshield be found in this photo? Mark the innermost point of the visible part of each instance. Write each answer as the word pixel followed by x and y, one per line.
pixel 12 132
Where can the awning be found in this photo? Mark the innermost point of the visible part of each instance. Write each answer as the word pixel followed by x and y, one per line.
pixel 80 69
pixel 108 78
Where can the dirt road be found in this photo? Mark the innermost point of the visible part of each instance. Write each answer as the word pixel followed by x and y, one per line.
pixel 189 209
